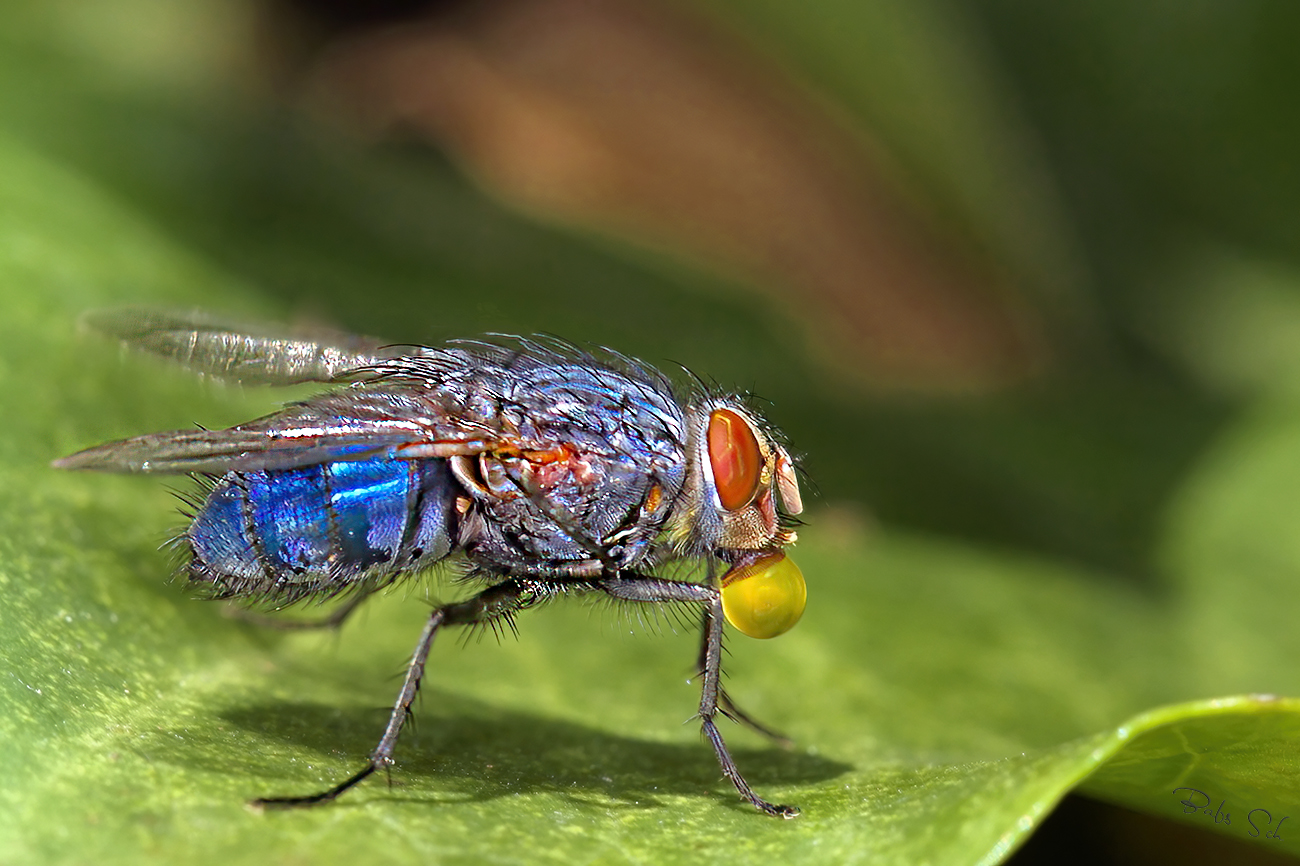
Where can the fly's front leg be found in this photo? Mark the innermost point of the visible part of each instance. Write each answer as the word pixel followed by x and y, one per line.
pixel 711 692
pixel 498 601
pixel 655 590
pixel 728 707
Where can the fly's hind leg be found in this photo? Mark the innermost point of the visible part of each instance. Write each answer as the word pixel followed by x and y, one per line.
pixel 334 619
pixel 712 698
pixel 497 601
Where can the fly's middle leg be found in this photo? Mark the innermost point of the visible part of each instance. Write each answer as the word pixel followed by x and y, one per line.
pixel 495 602
pixel 712 698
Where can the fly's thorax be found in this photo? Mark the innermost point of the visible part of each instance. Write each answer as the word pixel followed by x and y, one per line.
pixel 739 480
pixel 535 512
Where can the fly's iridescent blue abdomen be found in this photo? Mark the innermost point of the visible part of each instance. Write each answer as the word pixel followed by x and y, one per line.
pixel 323 528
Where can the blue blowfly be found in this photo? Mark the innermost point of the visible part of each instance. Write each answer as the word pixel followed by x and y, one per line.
pixel 548 469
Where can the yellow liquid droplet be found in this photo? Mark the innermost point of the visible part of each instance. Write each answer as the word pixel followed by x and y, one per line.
pixel 765 598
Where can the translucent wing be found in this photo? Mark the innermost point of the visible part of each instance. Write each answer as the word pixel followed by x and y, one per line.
pixel 206 345
pixel 515 398
pixel 347 425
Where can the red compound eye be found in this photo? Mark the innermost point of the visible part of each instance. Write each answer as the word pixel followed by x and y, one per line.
pixel 737 463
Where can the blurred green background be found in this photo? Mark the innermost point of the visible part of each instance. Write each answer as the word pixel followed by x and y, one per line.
pixel 1019 281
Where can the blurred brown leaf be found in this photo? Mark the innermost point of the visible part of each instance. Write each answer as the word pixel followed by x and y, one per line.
pixel 639 120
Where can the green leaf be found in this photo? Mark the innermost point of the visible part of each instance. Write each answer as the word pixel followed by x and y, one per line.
pixel 944 697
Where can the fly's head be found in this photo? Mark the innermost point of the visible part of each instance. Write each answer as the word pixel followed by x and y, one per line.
pixel 740 492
